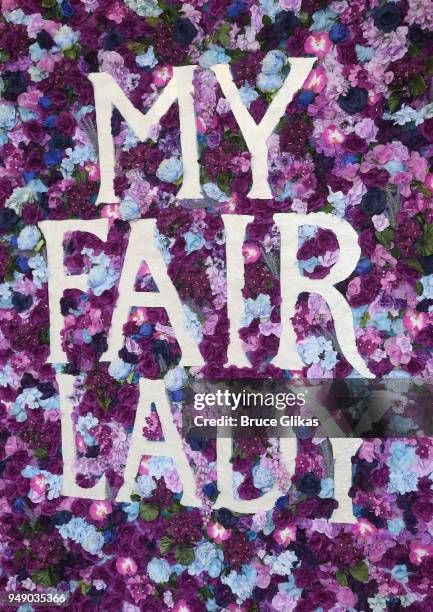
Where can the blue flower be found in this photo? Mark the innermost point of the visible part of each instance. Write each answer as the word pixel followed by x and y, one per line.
pixel 52 158
pixel 364 265
pixel 8 120
pixel 326 488
pixel 248 94
pixel 260 308
pixel 170 170
pixel 17 17
pixel 312 347
pixel 273 62
pixel 92 541
pixel 144 8
pixel 269 82
pixel 158 466
pixel 119 369
pixel 28 238
pixel 323 20
pixel 241 583
pixel 80 531
pixel 145 485
pixel 175 379
pixel 402 481
pixel 158 570
pixel 214 192
pixel 329 360
pixel 210 489
pixel 339 33
pixel 147 60
pixel 194 242
pixel 262 477
pixel 270 8
pixel 129 209
pixel 214 55
pixel 208 558
pixel 427 285
pixel 235 9
pixel 394 166
pixel 193 324
pixel 402 456
pixel 304 98
pixel 132 510
pixel 65 37
pixel 400 573
pixel 364 54
pixel 396 526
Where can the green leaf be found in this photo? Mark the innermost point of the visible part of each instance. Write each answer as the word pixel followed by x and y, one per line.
pixel 153 22
pixel 104 402
pixel 40 453
pixel 426 242
pixel 40 244
pixel 429 65
pixel 224 34
pixel 414 263
pixel 73 52
pixel 385 237
pixel 364 319
pixel 417 85
pixel 46 577
pixel 419 288
pixel 84 587
pixel 184 555
pixel 164 544
pixel 341 577
pixel 149 512
pixel 304 17
pixel 205 592
pixel 360 572
pixel 394 101
pixel 413 50
pixel 396 252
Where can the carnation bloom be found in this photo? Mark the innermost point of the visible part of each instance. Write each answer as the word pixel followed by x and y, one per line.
pixel 162 75
pixel 143 468
pixel 316 80
pixel 99 510
pixel 418 552
pixel 285 535
pixel 38 483
pixel 126 566
pixel 218 533
pixel 363 528
pixel 251 252
pixel 414 321
pixel 318 44
pixel 333 136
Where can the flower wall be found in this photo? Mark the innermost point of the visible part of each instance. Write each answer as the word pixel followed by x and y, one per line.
pixel 355 142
